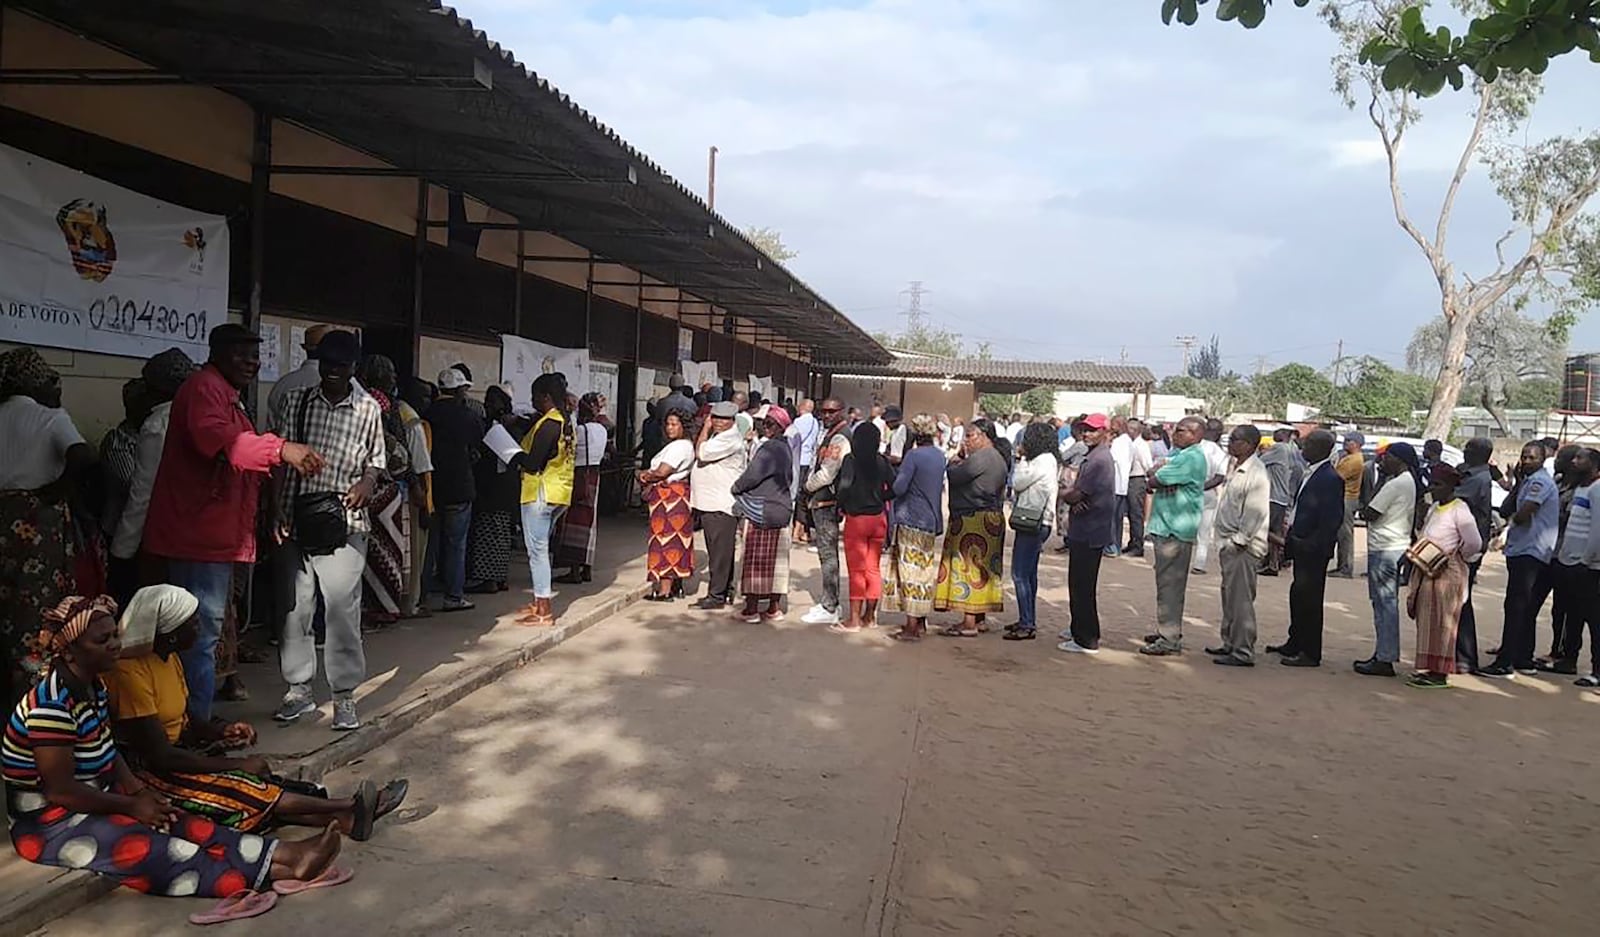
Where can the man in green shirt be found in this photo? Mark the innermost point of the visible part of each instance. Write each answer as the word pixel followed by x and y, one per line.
pixel 1179 499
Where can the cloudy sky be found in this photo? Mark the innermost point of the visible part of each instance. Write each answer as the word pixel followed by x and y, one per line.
pixel 1068 178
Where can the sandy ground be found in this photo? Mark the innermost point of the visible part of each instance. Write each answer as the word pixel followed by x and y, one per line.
pixel 676 773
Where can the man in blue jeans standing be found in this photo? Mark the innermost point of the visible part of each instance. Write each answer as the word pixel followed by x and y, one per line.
pixel 1390 516
pixel 1530 545
pixel 457 444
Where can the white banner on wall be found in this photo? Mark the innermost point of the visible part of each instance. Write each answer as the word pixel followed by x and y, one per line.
pixel 603 381
pixel 685 344
pixel 92 266
pixel 271 350
pixel 523 359
pixel 699 373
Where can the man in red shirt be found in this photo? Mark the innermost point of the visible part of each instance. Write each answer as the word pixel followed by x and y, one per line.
pixel 202 516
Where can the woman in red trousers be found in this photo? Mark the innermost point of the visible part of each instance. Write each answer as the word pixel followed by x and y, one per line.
pixel 865 486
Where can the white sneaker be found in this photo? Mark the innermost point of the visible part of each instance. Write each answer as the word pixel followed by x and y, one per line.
pixel 811 548
pixel 1065 634
pixel 1073 647
pixel 820 616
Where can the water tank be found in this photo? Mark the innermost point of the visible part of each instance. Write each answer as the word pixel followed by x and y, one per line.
pixel 1580 385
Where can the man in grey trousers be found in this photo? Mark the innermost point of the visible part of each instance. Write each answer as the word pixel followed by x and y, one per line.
pixel 1244 508
pixel 1174 526
pixel 320 556
pixel 825 508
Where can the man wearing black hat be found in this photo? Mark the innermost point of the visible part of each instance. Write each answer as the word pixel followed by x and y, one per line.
pixel 202 514
pixel 322 523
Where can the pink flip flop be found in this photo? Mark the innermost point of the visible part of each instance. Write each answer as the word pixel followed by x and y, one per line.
pixel 236 907
pixel 330 877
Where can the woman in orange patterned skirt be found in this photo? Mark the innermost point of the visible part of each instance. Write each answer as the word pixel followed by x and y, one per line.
pixel 666 490
pixel 970 569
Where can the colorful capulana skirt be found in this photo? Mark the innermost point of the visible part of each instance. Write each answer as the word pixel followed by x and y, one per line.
pixel 671 553
pixel 911 568
pixel 234 799
pixel 969 570
pixel 388 551
pixel 198 858
pixel 38 553
pixel 765 568
pixel 1436 604
pixel 575 536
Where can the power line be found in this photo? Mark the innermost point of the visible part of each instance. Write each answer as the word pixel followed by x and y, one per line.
pixel 1188 342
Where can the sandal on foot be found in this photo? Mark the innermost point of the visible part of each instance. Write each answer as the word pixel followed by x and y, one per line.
pixel 1588 680
pixel 1018 634
pixel 843 629
pixel 365 812
pixel 390 797
pixel 906 637
pixel 236 907
pixel 954 631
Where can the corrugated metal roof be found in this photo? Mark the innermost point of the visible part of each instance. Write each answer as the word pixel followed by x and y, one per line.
pixel 1067 374
pixel 524 147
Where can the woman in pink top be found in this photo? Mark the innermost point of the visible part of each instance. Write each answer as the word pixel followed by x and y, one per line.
pixel 1435 601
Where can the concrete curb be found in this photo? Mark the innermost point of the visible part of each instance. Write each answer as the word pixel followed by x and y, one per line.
pixel 68 891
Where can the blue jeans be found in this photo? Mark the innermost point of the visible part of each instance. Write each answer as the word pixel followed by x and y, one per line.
pixel 212 584
pixel 454 519
pixel 538 518
pixel 1383 588
pixel 1025 550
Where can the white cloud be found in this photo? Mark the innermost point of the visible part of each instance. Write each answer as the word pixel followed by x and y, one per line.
pixel 1056 173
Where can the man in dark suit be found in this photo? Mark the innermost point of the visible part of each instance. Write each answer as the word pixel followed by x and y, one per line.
pixel 1313 534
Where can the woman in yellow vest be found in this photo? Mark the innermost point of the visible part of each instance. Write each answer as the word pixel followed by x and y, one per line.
pixel 546 463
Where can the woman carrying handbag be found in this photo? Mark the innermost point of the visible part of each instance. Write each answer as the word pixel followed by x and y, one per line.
pixel 1440 562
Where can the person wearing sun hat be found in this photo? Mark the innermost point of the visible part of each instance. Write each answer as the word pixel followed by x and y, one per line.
pixel 762 497
pixel 1091 523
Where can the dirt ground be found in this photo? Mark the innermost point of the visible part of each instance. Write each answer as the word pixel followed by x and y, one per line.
pixel 672 772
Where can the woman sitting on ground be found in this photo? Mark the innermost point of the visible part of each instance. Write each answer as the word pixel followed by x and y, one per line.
pixel 865 486
pixel 149 703
pixel 75 803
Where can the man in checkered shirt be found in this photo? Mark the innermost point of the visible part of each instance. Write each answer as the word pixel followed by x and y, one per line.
pixel 347 429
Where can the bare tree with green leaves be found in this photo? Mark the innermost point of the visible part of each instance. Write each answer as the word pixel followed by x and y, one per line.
pixel 1504 349
pixel 1548 252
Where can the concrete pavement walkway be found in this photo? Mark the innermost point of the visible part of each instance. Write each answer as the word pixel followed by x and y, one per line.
pixel 415 668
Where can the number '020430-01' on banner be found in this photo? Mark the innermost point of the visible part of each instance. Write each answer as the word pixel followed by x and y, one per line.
pixel 92 266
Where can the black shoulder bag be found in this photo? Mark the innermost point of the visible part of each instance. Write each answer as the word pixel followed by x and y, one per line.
pixel 321 525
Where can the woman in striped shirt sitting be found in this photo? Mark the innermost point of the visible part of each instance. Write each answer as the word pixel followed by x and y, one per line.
pixel 74 803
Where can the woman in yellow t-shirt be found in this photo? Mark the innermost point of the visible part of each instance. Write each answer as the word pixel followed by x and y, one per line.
pixel 149 699
pixel 546 461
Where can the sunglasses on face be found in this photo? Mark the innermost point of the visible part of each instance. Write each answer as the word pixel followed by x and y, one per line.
pixel 833 409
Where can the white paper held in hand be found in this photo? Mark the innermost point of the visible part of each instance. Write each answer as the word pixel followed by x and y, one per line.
pixel 501 443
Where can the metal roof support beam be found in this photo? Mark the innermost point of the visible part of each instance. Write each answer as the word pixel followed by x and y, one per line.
pixel 322 81
pixel 436 173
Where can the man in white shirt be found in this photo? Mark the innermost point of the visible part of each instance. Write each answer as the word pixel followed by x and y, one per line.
pixel 1244 508
pixel 719 461
pixel 1217 470
pixel 1391 517
pixel 1140 465
pixel 1122 464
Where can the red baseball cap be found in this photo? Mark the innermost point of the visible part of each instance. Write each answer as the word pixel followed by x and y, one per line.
pixel 1093 421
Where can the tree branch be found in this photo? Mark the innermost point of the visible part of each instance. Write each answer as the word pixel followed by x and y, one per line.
pixel 1485 97
pixel 1391 149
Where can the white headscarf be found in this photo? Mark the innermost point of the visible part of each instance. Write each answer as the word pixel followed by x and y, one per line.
pixel 154 610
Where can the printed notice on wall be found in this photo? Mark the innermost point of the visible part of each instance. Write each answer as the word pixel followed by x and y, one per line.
pixel 271 350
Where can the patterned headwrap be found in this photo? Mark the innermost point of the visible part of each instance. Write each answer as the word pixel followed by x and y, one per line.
pixel 68 621
pixel 24 371
pixel 166 372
